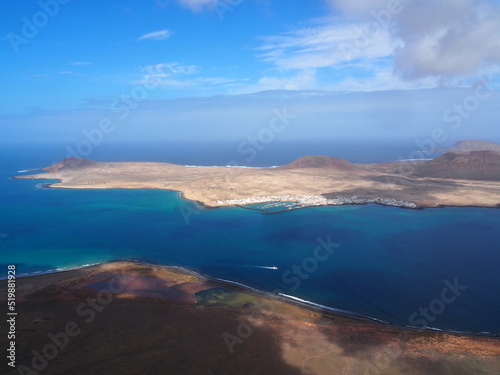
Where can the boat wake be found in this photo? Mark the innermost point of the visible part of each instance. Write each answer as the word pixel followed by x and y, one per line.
pixel 263 267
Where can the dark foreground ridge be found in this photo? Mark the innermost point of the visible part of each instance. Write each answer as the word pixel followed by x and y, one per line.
pixel 128 318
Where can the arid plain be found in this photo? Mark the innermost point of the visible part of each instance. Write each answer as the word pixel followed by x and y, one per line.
pixel 453 179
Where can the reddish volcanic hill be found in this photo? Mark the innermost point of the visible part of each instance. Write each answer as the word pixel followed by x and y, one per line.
pixel 326 162
pixel 70 163
pixel 466 165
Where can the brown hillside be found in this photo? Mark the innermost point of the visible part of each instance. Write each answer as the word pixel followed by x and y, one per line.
pixel 469 165
pixel 70 163
pixel 326 162
pixel 475 146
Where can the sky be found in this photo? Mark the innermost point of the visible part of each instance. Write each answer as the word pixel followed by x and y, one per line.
pixel 221 69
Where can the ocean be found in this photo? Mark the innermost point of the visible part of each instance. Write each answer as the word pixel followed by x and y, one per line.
pixel 436 268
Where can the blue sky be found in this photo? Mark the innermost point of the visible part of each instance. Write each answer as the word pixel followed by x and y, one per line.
pixel 94 50
pixel 65 62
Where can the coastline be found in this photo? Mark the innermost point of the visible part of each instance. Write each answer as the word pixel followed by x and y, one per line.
pixel 335 183
pixel 327 311
pixel 151 318
pixel 206 206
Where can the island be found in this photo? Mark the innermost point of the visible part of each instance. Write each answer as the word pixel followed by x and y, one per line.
pixel 456 178
pixel 129 317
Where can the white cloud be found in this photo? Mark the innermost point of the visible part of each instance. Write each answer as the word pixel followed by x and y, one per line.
pixel 358 8
pixel 156 35
pixel 180 76
pixel 303 80
pixel 66 72
pixel 387 44
pixel 194 82
pixel 196 5
pixel 456 38
pixel 382 79
pixel 328 45
pixel 446 38
pixel 165 70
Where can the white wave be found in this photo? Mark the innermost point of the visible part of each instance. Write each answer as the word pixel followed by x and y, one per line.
pixel 323 307
pixel 239 284
pixel 227 166
pixel 54 270
pixel 29 170
pixel 77 267
pixel 203 166
pixel 242 166
pixel 43 185
pixel 452 331
pixel 414 159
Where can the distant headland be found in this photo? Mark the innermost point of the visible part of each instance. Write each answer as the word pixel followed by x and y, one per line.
pixel 456 178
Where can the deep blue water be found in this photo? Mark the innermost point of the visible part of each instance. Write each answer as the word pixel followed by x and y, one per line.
pixel 390 261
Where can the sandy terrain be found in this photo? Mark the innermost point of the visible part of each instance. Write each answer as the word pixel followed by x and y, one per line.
pixel 212 186
pixel 138 326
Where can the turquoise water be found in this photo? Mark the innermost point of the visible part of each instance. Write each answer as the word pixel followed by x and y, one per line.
pixel 389 261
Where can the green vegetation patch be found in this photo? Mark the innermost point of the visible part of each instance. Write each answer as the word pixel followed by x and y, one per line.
pixel 223 297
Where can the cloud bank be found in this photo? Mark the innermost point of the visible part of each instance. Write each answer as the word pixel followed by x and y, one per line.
pixel 445 39
pixel 383 116
pixel 387 44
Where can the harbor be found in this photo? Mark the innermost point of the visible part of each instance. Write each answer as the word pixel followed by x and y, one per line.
pixel 294 202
